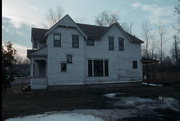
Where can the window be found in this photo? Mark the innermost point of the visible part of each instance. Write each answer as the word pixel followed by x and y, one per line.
pixel 97 68
pixel 134 63
pixel 75 41
pixel 57 40
pixel 121 44
pixel 90 42
pixel 63 67
pixel 111 43
pixel 69 58
pixel 89 67
pixel 106 68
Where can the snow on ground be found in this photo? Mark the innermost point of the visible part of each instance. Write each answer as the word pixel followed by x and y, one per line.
pixel 57 117
pixel 112 95
pixel 80 115
pixel 142 103
pixel 124 107
pixel 151 84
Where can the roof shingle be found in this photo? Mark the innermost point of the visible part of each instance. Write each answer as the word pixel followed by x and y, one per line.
pixel 38 33
pixel 92 32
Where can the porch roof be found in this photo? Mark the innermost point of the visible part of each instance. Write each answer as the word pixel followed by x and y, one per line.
pixel 40 52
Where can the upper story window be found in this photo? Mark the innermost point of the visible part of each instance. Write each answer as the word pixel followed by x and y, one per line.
pixel 134 64
pixel 57 40
pixel 75 41
pixel 90 42
pixel 111 43
pixel 121 43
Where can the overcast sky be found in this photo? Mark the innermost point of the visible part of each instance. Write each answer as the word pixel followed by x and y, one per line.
pixel 18 16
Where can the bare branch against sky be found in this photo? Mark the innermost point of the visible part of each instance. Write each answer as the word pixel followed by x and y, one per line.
pixel 148 37
pixel 53 15
pixel 106 18
pixel 18 17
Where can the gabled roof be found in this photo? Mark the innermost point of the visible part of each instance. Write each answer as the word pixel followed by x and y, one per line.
pixel 65 19
pixel 38 33
pixel 92 31
pixel 135 39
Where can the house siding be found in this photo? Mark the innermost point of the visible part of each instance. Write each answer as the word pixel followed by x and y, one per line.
pixel 56 55
pixel 120 62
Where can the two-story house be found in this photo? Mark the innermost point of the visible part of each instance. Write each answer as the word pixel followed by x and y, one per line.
pixel 71 53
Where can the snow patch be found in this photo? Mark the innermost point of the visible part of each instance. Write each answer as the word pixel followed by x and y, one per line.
pixel 112 95
pixel 151 84
pixel 57 117
pixel 132 101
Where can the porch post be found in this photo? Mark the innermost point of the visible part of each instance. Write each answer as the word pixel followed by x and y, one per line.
pixel 32 68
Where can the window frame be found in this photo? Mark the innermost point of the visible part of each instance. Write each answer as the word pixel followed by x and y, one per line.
pixel 56 40
pixel 111 43
pixel 75 40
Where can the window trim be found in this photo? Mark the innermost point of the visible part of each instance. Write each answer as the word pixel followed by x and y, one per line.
pixel 56 39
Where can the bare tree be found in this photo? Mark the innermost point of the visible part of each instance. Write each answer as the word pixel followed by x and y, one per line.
pixel 153 48
pixel 175 48
pixel 53 16
pixel 21 60
pixel 80 20
pixel 149 37
pixel 162 33
pixel 106 18
pixel 127 27
pixel 177 11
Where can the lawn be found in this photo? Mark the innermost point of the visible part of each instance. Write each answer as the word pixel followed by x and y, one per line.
pixel 16 103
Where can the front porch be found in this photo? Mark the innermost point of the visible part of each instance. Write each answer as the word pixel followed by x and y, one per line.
pixel 39 73
pixel 38 68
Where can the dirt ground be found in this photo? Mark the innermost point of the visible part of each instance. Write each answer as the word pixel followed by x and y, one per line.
pixel 16 103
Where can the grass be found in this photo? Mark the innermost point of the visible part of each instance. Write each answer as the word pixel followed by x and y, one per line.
pixel 17 103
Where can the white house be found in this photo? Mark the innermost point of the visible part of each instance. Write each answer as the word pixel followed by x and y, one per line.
pixel 71 53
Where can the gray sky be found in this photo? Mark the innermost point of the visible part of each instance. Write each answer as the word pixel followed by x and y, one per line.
pixel 18 16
